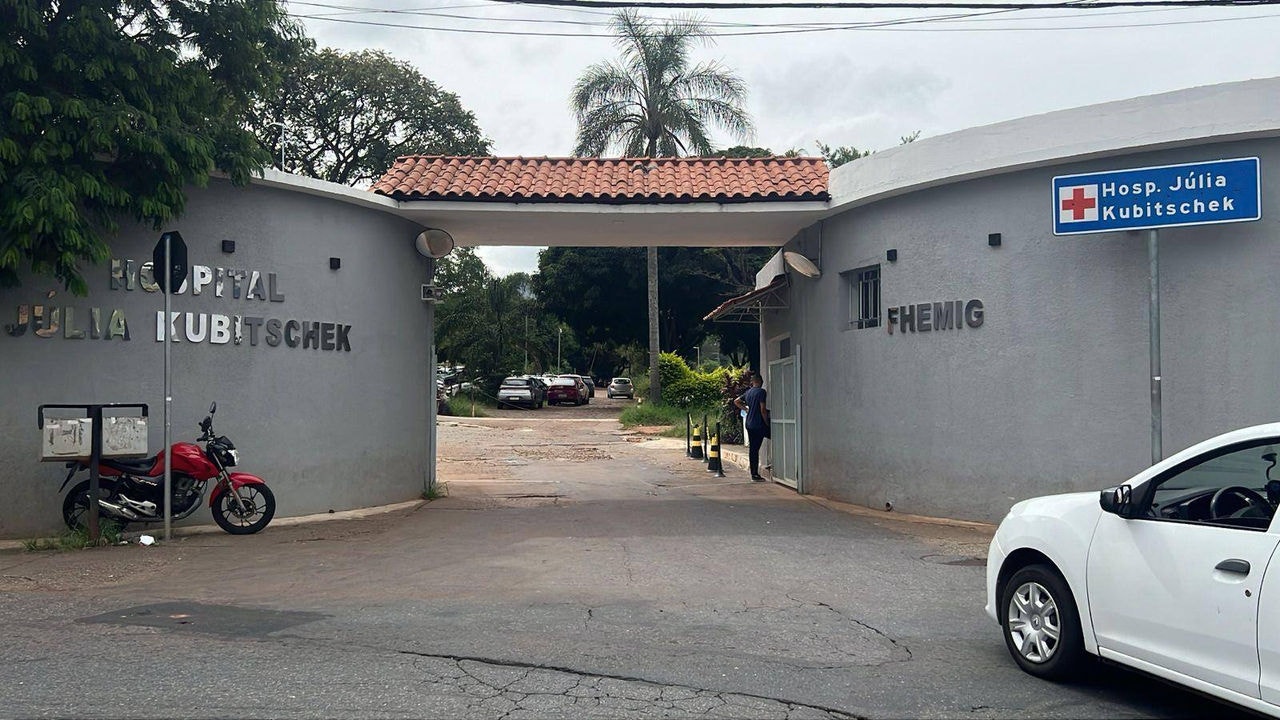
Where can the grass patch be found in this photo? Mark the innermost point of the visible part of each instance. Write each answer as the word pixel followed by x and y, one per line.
pixel 460 406
pixel 650 414
pixel 77 539
pixel 435 491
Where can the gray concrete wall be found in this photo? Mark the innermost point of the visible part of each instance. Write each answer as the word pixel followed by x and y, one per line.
pixel 326 429
pixel 1051 393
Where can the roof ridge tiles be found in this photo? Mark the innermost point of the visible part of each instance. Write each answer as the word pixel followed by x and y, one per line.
pixel 639 179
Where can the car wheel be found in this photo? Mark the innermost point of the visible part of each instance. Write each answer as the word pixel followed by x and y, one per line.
pixel 1041 624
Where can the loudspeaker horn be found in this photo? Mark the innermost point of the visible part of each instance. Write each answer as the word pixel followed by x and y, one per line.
pixel 801 264
pixel 434 243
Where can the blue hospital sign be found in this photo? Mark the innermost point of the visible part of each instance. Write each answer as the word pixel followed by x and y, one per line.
pixel 1203 193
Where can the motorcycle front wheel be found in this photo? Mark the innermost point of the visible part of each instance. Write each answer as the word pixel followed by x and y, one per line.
pixel 259 508
pixel 75 506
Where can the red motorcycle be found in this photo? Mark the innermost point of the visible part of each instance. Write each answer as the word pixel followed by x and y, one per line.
pixel 133 490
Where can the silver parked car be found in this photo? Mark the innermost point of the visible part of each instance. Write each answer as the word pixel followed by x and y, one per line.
pixel 621 387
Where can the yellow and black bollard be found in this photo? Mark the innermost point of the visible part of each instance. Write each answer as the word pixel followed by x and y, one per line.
pixel 713 464
pixel 695 451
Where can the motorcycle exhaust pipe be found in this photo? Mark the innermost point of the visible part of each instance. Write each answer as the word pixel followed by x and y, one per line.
pixel 123 512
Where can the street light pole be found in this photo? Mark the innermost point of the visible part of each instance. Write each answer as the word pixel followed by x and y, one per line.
pixel 699 349
pixel 559 336
pixel 283 127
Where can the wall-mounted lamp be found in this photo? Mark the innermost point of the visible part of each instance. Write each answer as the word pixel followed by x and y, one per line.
pixel 892 255
pixel 335 263
pixel 228 246
pixel 993 239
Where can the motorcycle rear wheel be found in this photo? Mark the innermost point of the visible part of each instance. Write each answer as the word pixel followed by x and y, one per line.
pixel 260 504
pixel 75 506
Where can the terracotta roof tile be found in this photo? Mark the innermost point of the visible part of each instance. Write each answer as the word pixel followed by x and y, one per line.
pixel 611 180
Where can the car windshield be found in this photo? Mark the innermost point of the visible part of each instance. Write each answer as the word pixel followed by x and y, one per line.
pixel 563 381
pixel 519 382
pixel 622 381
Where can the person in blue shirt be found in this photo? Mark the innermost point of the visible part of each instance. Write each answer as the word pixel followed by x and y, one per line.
pixel 753 401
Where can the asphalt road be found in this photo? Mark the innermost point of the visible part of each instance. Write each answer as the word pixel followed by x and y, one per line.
pixel 573 571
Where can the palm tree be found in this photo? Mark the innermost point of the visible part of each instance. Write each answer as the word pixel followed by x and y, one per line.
pixel 653 101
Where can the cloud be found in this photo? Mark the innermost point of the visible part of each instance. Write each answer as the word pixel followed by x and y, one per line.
pixel 504 260
pixel 870 107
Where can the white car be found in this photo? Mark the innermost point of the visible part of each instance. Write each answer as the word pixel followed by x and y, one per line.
pixel 1169 573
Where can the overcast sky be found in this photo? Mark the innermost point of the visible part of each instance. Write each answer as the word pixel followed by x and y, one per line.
pixel 863 87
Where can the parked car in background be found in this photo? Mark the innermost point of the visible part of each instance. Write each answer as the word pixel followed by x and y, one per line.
pixel 621 387
pixel 1171 572
pixel 591 386
pixel 567 390
pixel 522 391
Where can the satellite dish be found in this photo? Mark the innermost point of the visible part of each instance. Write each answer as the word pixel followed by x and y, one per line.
pixel 801 264
pixel 434 243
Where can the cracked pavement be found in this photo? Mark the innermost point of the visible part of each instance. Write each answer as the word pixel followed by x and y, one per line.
pixel 505 690
pixel 611 578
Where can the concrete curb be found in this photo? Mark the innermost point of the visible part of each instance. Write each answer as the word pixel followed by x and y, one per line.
pixel 187 530
pixel 739 457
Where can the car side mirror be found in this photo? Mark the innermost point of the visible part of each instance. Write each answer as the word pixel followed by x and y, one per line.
pixel 1117 500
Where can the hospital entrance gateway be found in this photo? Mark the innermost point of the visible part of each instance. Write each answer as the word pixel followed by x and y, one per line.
pixel 932 339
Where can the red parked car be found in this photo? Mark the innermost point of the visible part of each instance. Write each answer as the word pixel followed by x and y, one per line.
pixel 567 390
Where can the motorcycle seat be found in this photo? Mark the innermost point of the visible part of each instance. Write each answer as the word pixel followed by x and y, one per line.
pixel 137 466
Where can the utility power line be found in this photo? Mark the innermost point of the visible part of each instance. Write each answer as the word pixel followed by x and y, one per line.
pixel 434 12
pixel 881 4
pixel 901 25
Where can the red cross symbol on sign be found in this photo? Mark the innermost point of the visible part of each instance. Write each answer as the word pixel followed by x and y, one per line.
pixel 1079 204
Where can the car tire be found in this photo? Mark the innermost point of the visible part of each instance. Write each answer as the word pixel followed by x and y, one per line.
pixel 1036 604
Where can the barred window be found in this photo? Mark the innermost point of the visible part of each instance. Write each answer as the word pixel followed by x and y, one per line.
pixel 864 296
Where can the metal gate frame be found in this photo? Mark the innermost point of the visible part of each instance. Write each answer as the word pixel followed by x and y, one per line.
pixel 786 432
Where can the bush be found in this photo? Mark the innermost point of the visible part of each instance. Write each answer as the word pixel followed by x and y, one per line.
pixel 671 370
pixel 735 381
pixel 695 391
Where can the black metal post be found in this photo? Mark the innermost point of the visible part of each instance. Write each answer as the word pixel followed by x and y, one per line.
pixel 95 452
pixel 688 445
pixel 719 455
pixel 95 457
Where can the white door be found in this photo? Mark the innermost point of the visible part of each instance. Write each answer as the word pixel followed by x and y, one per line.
pixel 783 403
pixel 1179 585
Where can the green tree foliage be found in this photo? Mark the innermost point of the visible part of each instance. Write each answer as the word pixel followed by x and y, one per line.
pixel 744 151
pixel 458 271
pixel 348 116
pixel 110 109
pixel 654 101
pixel 600 293
pixel 837 156
pixel 488 323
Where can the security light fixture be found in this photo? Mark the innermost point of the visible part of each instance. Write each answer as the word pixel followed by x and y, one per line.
pixel 892 255
pixel 335 263
pixel 993 239
pixel 228 246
